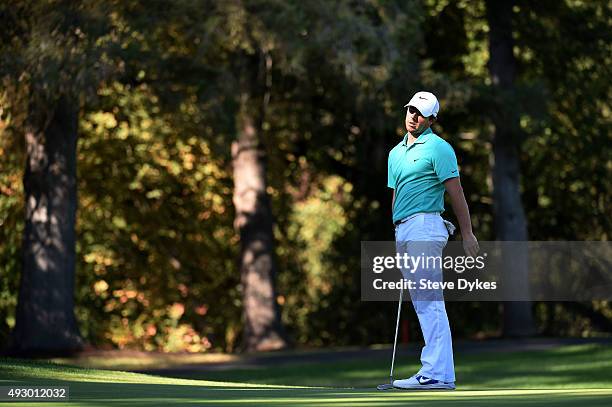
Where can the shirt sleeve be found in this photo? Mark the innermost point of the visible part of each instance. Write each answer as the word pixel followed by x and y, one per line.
pixel 445 162
pixel 390 175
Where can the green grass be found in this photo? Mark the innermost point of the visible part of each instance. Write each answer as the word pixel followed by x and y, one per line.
pixel 572 375
pixel 582 366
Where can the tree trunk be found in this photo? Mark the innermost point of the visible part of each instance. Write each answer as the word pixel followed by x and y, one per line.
pixel 510 222
pixel 262 326
pixel 45 321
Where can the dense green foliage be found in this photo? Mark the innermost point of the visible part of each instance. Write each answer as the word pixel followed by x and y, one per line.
pixel 158 84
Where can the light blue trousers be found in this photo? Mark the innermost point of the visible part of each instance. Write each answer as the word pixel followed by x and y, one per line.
pixel 425 235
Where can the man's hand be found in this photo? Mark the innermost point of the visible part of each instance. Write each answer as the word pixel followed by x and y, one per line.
pixel 470 244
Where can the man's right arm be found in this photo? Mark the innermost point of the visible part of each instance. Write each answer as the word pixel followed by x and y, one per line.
pixel 391 182
pixel 455 191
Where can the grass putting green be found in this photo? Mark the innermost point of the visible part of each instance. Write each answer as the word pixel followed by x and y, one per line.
pixel 579 366
pixel 571 375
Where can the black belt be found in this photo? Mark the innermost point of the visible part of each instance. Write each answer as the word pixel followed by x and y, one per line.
pixel 398 222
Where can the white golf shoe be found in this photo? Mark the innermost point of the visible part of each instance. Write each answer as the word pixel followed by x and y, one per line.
pixel 418 382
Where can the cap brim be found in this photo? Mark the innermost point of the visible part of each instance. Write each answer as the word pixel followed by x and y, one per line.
pixel 432 114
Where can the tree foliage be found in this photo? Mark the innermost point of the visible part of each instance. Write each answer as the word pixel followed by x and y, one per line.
pixel 158 85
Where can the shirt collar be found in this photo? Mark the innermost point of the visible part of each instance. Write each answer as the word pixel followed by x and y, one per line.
pixel 423 137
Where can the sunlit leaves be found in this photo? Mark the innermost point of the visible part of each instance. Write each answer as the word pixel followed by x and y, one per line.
pixel 156 206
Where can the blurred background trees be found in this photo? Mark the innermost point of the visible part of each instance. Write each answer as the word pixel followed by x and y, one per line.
pixel 54 56
pixel 171 255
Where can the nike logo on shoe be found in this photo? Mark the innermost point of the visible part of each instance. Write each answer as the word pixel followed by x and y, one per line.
pixel 426 380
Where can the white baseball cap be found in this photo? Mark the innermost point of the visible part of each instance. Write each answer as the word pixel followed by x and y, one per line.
pixel 426 102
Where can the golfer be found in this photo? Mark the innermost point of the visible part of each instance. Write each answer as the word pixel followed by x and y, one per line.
pixel 420 168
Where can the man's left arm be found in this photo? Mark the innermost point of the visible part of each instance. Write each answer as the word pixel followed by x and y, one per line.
pixel 460 207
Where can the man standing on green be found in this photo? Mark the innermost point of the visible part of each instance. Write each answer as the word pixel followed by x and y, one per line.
pixel 420 168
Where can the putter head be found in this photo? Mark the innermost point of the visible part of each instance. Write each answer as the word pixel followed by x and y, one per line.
pixel 386 386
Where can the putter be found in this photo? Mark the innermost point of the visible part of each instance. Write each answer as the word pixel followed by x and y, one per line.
pixel 389 386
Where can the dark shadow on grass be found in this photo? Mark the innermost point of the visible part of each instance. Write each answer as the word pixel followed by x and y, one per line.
pixel 542 372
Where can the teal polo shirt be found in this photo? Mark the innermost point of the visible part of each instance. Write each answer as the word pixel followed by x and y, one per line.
pixel 416 173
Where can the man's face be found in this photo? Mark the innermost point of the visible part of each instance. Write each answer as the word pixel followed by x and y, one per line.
pixel 415 122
